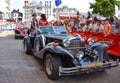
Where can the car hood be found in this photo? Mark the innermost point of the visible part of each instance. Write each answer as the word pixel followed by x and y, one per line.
pixel 60 36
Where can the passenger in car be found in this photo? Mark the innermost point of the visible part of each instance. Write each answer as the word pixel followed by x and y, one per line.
pixel 43 20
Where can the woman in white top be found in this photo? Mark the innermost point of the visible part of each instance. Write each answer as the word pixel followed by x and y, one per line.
pixel 100 27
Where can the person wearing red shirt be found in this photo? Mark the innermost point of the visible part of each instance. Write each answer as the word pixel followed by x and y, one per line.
pixel 43 21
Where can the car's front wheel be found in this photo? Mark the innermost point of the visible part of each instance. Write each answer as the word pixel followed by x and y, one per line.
pixel 52 64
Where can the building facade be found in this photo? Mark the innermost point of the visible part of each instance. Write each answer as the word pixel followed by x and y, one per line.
pixel 65 13
pixel 27 10
pixel 47 7
pixel 5 8
pixel 16 15
pixel 31 7
pixel 38 8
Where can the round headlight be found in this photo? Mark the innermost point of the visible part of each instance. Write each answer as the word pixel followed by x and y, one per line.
pixel 90 41
pixel 79 55
pixel 66 42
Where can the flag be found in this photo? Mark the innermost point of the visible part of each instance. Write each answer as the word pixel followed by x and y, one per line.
pixel 58 2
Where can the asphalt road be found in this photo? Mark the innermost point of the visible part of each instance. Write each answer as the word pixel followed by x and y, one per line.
pixel 17 67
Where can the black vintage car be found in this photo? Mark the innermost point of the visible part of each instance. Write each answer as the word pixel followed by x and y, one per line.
pixel 65 54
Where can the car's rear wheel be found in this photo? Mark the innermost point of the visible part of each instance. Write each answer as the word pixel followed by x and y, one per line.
pixel 26 48
pixel 51 64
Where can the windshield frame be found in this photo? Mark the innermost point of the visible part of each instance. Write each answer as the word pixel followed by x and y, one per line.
pixel 54 30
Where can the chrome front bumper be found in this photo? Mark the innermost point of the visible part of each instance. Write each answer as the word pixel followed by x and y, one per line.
pixel 86 69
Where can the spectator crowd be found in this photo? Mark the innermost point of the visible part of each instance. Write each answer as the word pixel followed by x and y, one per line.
pixel 108 25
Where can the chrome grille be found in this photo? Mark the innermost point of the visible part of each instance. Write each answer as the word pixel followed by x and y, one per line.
pixel 76 43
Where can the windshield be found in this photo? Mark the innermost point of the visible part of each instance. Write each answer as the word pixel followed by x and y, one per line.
pixel 52 30
pixel 46 29
pixel 60 29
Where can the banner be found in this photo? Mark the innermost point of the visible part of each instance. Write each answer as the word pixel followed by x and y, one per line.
pixel 112 40
pixel 58 2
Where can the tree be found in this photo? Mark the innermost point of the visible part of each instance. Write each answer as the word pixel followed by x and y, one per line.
pixel 104 7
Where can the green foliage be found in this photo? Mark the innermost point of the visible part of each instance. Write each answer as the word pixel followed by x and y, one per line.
pixel 104 7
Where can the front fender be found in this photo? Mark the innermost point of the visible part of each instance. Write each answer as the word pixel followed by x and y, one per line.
pixel 66 56
pixel 58 50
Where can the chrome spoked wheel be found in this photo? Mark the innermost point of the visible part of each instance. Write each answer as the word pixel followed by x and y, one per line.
pixel 52 64
pixel 49 66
